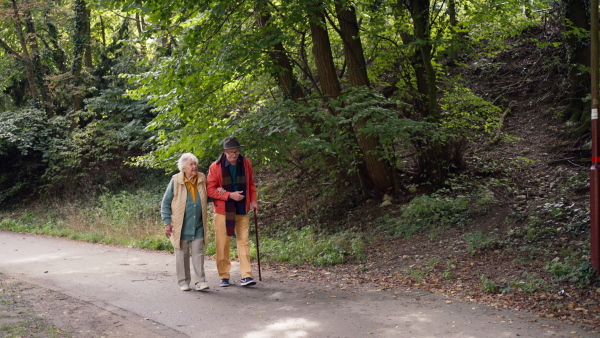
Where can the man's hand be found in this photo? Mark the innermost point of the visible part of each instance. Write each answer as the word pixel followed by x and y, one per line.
pixel 236 196
pixel 254 207
pixel 168 230
pixel 221 191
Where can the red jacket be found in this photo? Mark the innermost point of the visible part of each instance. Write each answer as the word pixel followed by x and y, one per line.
pixel 215 180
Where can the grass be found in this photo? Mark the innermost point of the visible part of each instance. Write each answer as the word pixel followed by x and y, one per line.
pixel 308 246
pixel 132 218
pixel 129 216
pixel 123 218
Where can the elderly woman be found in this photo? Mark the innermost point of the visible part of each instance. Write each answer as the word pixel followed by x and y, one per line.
pixel 184 213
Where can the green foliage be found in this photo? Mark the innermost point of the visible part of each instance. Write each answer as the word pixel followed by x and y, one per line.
pixel 428 212
pixel 449 271
pixel 577 182
pixel 528 284
pixel 572 270
pixel 527 255
pixel 488 285
pixel 126 209
pixel 490 23
pixel 306 128
pixel 306 246
pixel 128 217
pixel 26 137
pixel 465 114
pixel 153 243
pixel 477 242
pixel 554 219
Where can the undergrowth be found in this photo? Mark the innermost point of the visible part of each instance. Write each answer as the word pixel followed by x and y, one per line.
pixel 133 219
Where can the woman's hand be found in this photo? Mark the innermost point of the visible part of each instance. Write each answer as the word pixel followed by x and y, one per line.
pixel 221 191
pixel 168 230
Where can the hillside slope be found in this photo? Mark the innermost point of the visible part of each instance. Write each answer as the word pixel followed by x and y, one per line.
pixel 529 250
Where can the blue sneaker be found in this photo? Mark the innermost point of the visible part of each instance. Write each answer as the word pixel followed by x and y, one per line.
pixel 247 281
pixel 224 282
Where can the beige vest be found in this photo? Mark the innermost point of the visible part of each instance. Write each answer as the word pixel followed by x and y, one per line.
pixel 178 205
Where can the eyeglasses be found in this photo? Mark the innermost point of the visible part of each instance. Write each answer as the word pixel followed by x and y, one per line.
pixel 235 152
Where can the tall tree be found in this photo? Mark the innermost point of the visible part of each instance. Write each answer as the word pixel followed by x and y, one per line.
pixel 80 46
pixel 431 157
pixel 29 55
pixel 328 80
pixel 278 54
pixel 577 28
pixel 378 170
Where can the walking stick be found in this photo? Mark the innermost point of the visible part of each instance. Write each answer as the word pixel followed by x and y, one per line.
pixel 257 251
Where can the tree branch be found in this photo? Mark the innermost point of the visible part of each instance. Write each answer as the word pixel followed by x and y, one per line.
pixel 10 51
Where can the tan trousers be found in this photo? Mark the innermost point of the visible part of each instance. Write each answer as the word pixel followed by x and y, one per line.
pixel 223 242
pixel 182 261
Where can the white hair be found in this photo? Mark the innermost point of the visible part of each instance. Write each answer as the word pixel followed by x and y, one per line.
pixel 184 159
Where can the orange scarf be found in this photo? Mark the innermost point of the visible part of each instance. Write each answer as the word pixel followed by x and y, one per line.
pixel 191 186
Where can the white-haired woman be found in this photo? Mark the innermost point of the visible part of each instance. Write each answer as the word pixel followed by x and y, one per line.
pixel 184 213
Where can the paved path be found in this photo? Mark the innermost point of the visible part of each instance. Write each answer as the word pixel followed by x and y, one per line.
pixel 139 286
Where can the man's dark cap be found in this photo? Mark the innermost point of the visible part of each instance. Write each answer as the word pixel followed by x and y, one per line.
pixel 230 143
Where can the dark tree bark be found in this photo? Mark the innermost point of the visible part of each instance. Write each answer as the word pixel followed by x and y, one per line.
pixel 432 158
pixel 278 54
pixel 420 14
pixel 58 54
pixel 24 56
pixel 30 56
pixel 453 24
pixel 378 170
pixel 88 47
pixel 141 28
pixel 103 31
pixel 328 79
pixel 81 40
pixel 577 15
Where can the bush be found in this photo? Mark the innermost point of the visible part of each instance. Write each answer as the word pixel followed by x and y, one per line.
pixel 428 212
pixel 477 242
pixel 306 246
pixel 488 285
pixel 572 270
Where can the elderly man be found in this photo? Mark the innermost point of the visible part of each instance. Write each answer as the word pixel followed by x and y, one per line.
pixel 184 212
pixel 231 185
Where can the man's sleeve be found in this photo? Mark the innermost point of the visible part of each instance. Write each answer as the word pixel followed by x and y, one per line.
pixel 213 182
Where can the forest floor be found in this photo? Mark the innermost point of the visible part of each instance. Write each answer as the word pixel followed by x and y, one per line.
pixel 546 173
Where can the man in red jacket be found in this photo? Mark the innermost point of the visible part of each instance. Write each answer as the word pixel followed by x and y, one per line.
pixel 231 184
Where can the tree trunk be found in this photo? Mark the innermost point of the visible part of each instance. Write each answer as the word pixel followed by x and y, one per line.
pixel 139 24
pixel 378 170
pixel 88 47
pixel 58 54
pixel 328 79
pixel 25 56
pixel 103 31
pixel 453 55
pixel 329 83
pixel 577 16
pixel 420 15
pixel 79 46
pixel 431 159
pixel 285 73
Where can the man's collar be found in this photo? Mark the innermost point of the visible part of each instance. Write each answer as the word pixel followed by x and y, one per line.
pixel 239 160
